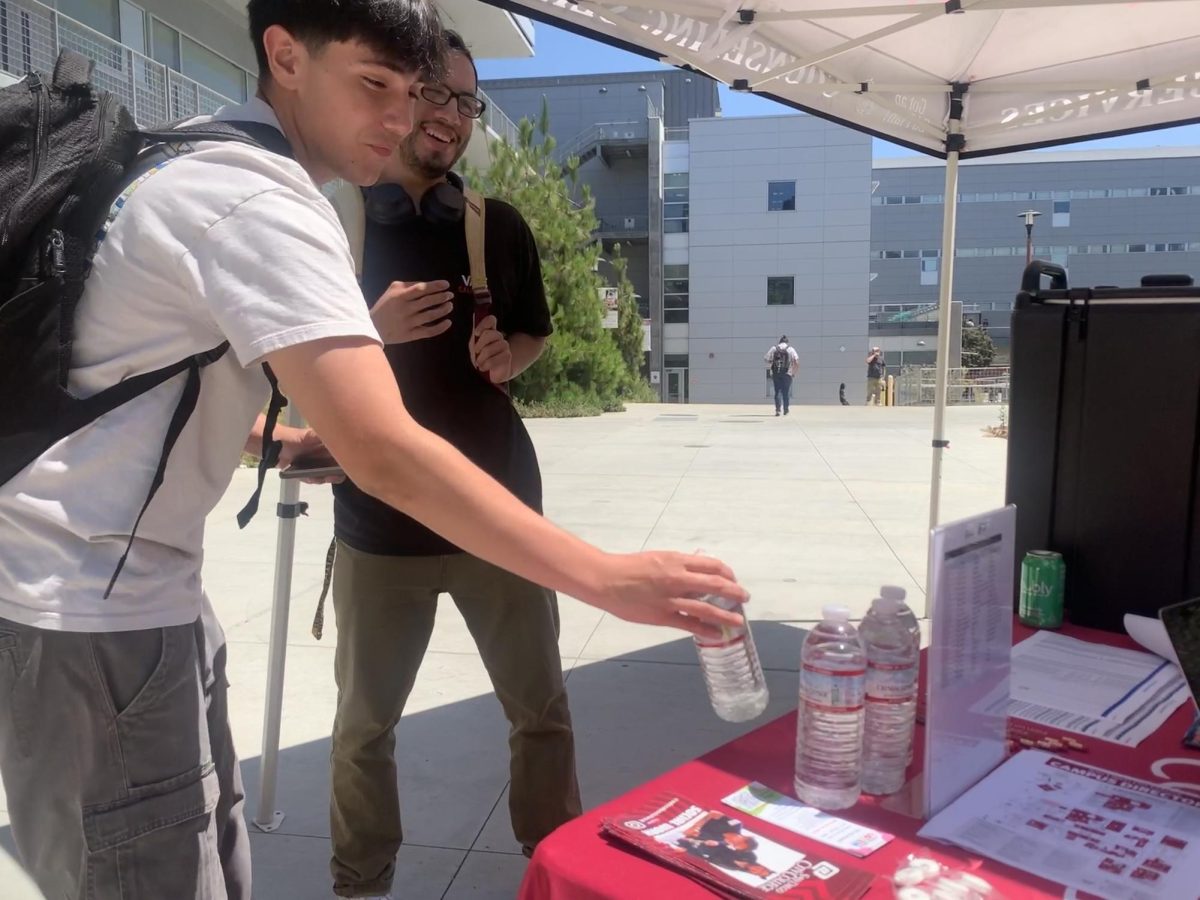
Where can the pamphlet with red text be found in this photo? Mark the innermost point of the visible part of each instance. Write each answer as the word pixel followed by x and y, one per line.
pixel 714 848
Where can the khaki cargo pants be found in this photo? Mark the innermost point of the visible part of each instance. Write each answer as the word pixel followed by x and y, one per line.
pixel 385 607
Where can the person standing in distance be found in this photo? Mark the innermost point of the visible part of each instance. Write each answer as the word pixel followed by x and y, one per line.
pixel 876 370
pixel 389 570
pixel 782 363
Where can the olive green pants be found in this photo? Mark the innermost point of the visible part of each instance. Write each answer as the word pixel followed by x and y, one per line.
pixel 385 607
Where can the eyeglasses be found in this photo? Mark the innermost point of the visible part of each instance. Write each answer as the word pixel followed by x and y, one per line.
pixel 439 95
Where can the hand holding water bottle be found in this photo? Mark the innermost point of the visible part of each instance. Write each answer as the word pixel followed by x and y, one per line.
pixel 729 661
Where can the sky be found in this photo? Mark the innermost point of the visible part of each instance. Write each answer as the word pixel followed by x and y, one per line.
pixel 562 53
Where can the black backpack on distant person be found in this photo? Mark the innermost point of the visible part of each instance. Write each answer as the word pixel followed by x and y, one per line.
pixel 69 155
pixel 781 360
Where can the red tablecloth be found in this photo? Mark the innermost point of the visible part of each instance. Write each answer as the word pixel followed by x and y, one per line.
pixel 577 863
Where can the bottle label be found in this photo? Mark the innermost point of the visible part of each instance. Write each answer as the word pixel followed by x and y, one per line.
pixel 891 682
pixel 832 690
pixel 729 637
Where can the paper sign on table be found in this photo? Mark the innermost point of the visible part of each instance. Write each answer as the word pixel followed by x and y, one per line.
pixel 716 850
pixel 1111 693
pixel 779 809
pixel 1096 831
pixel 970 606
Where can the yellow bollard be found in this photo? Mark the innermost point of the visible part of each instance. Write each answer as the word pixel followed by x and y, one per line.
pixel 890 391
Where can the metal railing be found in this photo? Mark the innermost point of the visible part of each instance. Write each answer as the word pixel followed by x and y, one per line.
pixel 675 133
pixel 495 119
pixel 32 34
pixel 612 225
pixel 598 133
pixel 917 385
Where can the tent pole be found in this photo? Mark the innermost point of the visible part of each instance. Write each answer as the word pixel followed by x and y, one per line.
pixel 266 817
pixel 946 295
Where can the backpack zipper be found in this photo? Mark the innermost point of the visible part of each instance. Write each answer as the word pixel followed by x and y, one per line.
pixel 38 88
pixel 102 118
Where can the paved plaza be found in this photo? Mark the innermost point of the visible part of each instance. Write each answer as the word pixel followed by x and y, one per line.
pixel 819 507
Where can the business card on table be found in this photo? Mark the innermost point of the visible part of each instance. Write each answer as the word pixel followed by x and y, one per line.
pixel 779 809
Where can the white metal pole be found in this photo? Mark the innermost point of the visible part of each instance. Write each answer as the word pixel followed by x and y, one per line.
pixel 266 817
pixel 946 294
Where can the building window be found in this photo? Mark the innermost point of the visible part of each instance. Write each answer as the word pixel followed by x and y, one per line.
pixel 675 294
pixel 133 26
pixel 675 203
pixel 213 71
pixel 1062 214
pixel 102 15
pixel 929 271
pixel 675 360
pixel 164 44
pixel 781 290
pixel 781 196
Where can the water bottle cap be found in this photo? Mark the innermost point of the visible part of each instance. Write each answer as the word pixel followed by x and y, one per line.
pixel 836 613
pixel 887 605
pixel 890 590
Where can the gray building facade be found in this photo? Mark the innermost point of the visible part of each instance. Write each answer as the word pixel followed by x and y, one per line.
pixel 778 244
pixel 618 126
pixel 1108 216
pixel 856 259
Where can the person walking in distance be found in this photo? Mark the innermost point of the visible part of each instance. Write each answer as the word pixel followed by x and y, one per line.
pixel 876 370
pixel 782 363
pixel 389 570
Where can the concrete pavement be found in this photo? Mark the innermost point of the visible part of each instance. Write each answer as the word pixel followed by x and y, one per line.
pixel 822 506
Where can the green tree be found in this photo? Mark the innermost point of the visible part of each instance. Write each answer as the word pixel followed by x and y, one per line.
pixel 628 333
pixel 978 350
pixel 582 366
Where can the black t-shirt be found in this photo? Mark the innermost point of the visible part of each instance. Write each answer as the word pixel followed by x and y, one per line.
pixel 442 389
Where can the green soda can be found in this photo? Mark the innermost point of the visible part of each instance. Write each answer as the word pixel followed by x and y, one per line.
pixel 1042 575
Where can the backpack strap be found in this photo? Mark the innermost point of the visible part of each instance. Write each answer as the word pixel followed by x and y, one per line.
pixel 318 625
pixel 183 412
pixel 476 209
pixel 257 134
pixel 271 448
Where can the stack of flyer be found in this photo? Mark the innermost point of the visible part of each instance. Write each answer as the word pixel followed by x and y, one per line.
pixel 715 849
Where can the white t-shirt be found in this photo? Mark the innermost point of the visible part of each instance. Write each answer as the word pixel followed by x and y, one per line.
pixel 791 351
pixel 227 243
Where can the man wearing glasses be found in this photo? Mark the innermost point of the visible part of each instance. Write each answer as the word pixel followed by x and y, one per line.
pixel 389 570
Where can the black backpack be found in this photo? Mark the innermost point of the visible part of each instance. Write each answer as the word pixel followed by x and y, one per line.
pixel 781 361
pixel 67 151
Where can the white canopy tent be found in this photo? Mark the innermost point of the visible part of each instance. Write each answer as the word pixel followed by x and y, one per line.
pixel 957 79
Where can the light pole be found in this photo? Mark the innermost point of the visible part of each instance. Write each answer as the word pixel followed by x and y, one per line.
pixel 1029 215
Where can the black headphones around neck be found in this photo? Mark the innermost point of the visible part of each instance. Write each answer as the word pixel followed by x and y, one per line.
pixel 442 204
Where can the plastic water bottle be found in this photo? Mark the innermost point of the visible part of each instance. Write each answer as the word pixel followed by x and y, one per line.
pixel 891 700
pixel 910 622
pixel 733 675
pixel 833 667
pixel 907 616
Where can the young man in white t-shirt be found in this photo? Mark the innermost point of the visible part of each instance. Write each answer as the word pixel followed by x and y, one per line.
pixel 115 749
